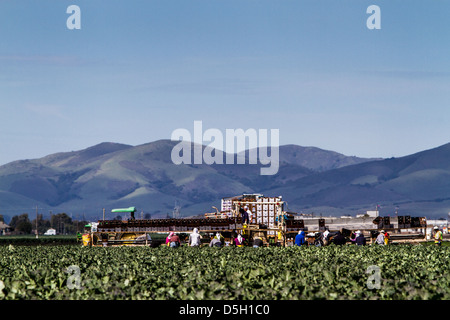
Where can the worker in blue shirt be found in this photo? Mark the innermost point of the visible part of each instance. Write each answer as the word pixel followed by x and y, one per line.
pixel 300 238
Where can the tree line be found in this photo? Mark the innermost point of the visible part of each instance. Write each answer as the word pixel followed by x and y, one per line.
pixel 61 222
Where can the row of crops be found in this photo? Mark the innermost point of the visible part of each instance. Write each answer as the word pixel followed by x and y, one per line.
pixel 229 273
pixel 31 240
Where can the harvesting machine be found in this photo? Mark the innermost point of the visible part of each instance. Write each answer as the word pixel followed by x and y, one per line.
pixel 268 220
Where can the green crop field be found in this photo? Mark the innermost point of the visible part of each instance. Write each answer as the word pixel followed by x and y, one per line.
pixel 31 240
pixel 396 272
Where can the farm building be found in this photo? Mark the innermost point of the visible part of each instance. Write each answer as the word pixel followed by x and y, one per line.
pixel 4 228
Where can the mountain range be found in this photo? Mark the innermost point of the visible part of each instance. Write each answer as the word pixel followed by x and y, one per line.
pixel 310 180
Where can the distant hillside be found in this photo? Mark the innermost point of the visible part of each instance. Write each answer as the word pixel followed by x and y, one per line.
pixel 317 159
pixel 112 175
pixel 418 184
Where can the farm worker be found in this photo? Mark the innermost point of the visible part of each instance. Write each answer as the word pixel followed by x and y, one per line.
pixel 280 235
pixel 257 242
pixel 300 238
pixel 239 241
pixel 380 238
pixel 360 240
pixel 354 235
pixel 174 241
pixel 437 236
pixel 386 238
pixel 220 238
pixel 249 214
pixel 86 239
pixel 194 238
pixel 339 239
pixel 216 241
pixel 325 237
pixel 168 238
pixel 244 214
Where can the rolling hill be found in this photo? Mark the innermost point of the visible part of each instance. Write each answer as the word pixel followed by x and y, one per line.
pixel 111 175
pixel 417 184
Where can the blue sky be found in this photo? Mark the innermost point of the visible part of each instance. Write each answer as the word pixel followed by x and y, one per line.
pixel 138 70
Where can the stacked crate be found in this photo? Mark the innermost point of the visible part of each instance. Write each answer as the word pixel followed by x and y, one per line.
pixel 295 225
pixel 227 205
pixel 264 211
pixel 411 222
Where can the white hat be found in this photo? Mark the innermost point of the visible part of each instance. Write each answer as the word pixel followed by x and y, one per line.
pixel 436 227
pixel 358 232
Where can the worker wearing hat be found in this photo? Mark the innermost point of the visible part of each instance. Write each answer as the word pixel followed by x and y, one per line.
pixel 239 241
pixel 386 238
pixel 380 238
pixel 244 214
pixel 437 236
pixel 360 239
pixel 300 238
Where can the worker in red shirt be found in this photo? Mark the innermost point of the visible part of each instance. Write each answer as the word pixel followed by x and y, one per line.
pixel 174 241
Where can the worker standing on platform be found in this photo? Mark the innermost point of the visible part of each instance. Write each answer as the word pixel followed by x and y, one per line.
pixel 437 236
pixel 244 214
pixel 249 215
